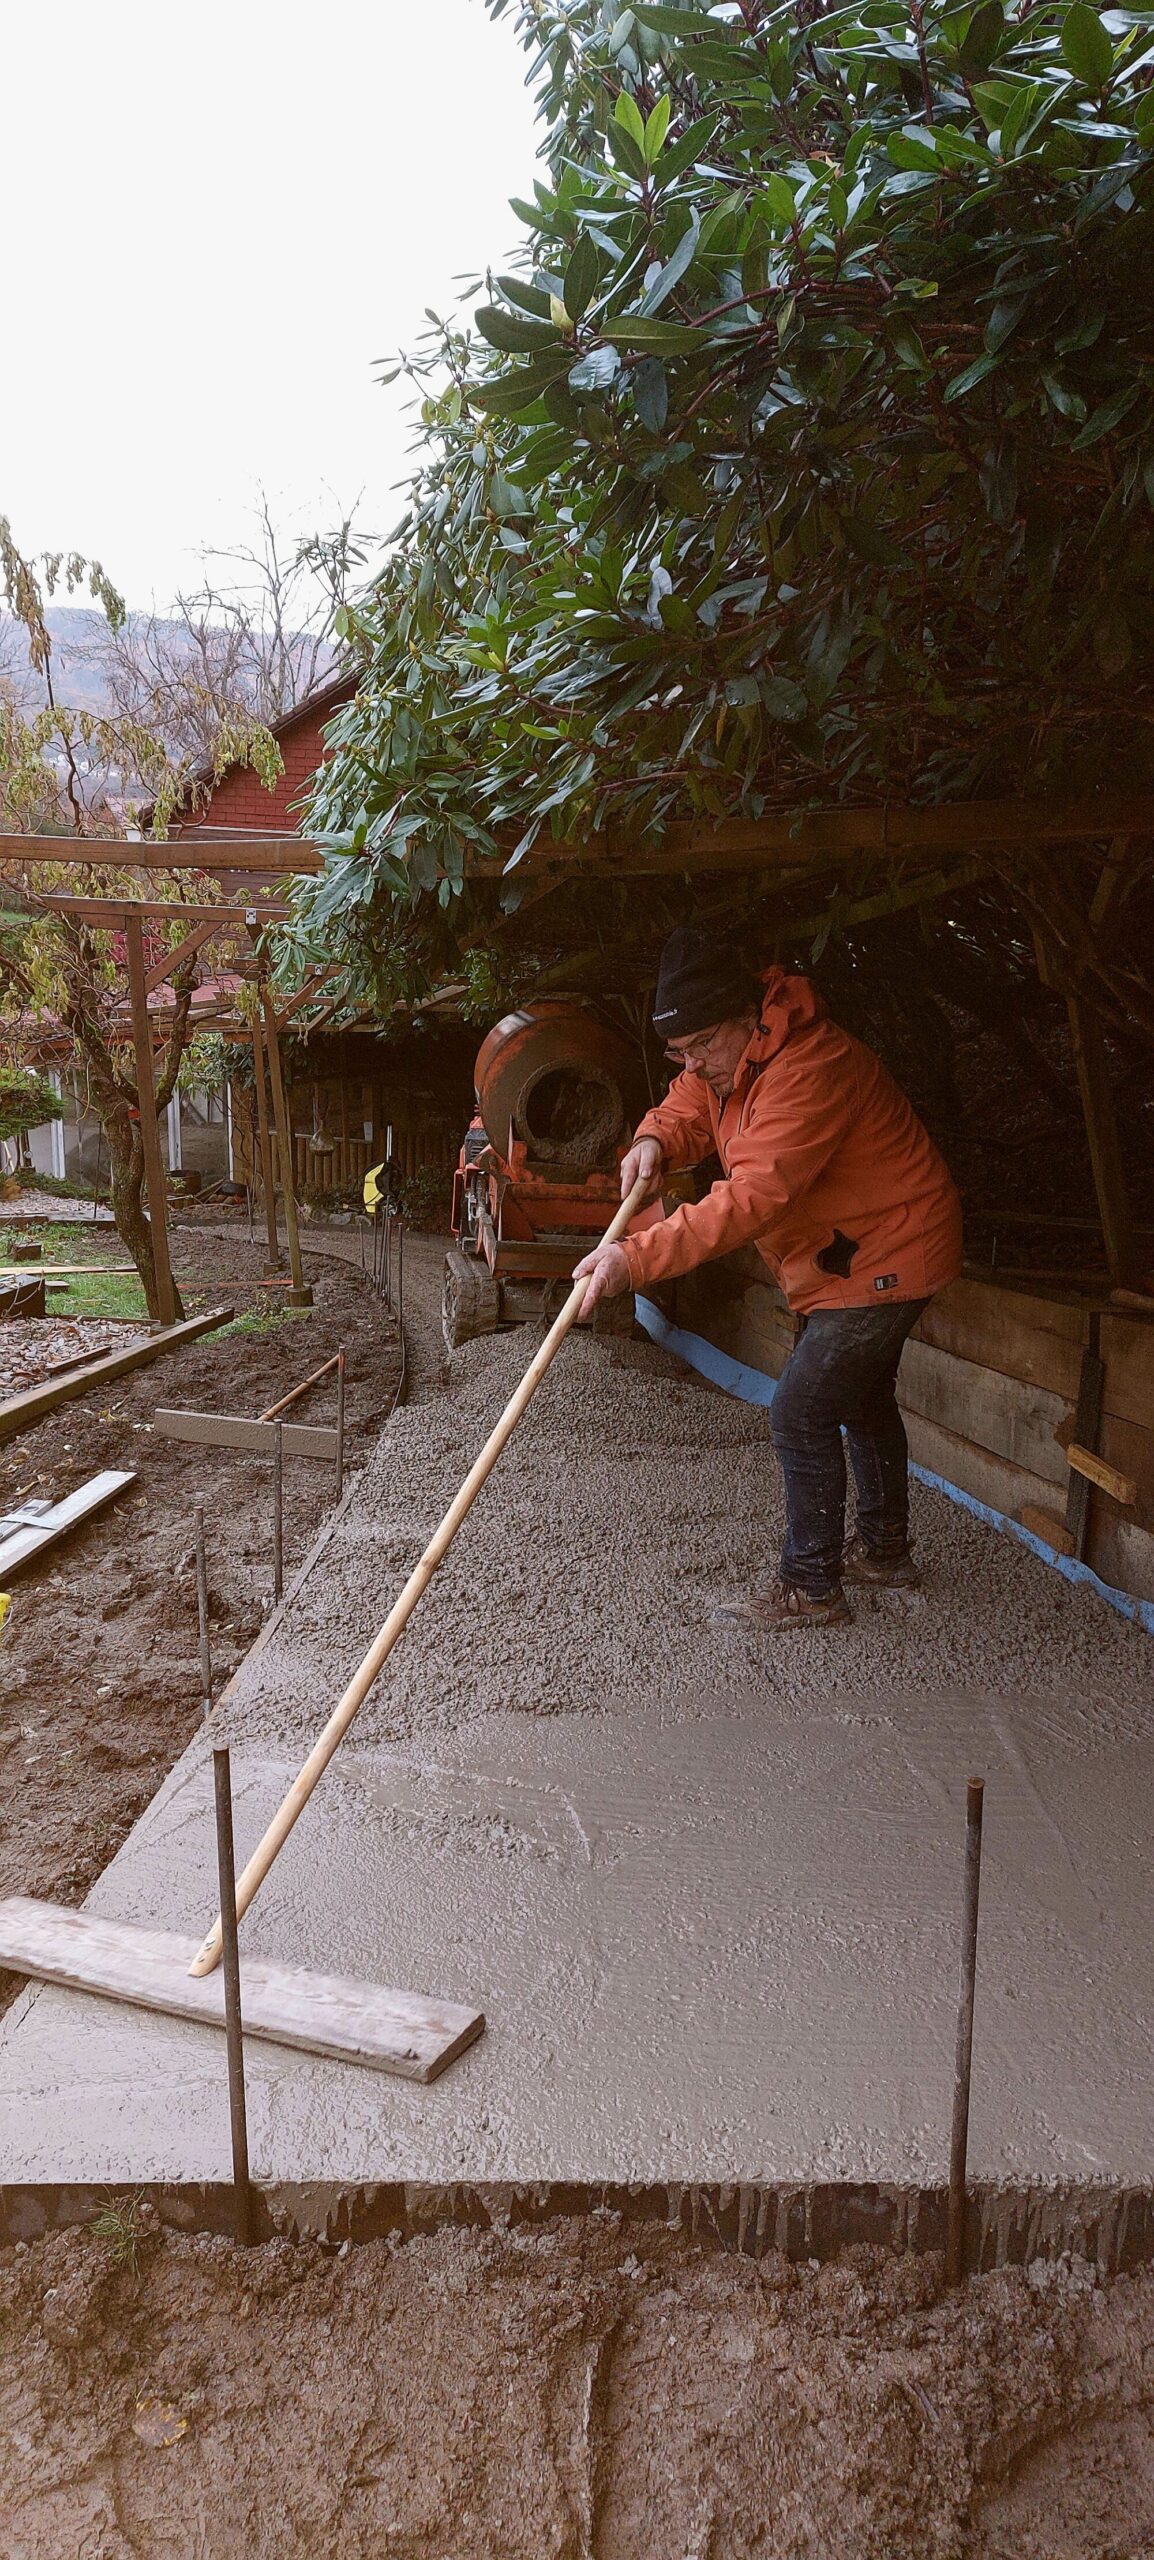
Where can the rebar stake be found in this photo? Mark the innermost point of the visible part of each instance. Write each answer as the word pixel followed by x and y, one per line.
pixel 340 1421
pixel 202 1612
pixel 963 2050
pixel 233 2028
pixel 278 1511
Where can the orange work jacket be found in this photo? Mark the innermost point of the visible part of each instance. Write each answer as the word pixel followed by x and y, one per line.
pixel 827 1168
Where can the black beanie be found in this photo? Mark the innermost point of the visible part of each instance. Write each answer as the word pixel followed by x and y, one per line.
pixel 700 982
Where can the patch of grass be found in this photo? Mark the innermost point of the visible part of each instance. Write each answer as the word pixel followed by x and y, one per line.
pixel 118 2224
pixel 98 1295
pixel 263 1321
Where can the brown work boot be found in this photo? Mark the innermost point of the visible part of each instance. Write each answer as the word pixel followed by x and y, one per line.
pixel 774 1608
pixel 896 1573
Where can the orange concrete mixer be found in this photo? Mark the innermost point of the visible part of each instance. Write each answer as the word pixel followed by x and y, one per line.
pixel 558 1094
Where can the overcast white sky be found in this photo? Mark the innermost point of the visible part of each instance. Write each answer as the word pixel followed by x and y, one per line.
pixel 216 218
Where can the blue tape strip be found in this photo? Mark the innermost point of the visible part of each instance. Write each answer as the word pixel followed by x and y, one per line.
pixel 755 1387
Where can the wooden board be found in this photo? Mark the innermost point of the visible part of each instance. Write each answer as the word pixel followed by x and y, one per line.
pixel 1005 1415
pixel 236 1431
pixel 397 2031
pixel 17 1412
pixel 280 855
pixel 44 1523
pixel 1109 1479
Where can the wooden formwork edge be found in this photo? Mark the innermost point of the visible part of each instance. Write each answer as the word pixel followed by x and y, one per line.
pixel 17 1412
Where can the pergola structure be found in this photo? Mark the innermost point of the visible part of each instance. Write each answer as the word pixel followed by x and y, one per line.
pixel 236 864
pixel 935 851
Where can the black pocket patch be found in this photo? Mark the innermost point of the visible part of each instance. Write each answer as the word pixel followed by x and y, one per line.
pixel 837 1256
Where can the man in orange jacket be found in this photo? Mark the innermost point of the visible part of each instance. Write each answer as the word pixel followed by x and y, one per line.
pixel 827 1169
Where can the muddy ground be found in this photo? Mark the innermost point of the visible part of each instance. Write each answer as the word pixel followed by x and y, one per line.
pixel 99 1662
pixel 580 2391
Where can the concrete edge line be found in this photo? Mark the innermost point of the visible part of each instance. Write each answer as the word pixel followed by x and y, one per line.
pixel 755 1386
pixel 1111 2228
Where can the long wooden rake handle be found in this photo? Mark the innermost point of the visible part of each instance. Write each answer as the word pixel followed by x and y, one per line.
pixel 253 1875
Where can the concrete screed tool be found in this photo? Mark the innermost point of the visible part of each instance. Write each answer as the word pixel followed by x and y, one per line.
pixel 316 2013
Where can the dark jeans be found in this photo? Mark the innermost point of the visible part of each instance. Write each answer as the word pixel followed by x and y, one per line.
pixel 840 1376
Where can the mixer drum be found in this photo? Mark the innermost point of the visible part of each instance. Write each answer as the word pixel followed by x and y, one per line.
pixel 562 1082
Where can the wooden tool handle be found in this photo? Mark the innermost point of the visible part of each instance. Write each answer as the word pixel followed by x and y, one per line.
pixel 399 1615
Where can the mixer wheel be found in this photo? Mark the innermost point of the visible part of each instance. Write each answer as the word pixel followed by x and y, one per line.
pixel 470 1298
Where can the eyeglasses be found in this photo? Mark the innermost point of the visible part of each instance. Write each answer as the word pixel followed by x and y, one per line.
pixel 680 1052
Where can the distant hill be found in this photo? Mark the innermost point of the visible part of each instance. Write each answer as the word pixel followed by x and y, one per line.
pixel 77 632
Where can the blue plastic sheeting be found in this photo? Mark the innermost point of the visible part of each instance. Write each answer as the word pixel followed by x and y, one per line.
pixel 753 1386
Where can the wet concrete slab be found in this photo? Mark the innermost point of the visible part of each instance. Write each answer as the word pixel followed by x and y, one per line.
pixel 707 1890
pixel 711 1945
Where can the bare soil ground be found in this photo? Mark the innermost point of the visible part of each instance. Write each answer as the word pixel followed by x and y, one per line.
pixel 99 1664
pixel 580 2391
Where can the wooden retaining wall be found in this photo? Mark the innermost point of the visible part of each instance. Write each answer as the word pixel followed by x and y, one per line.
pixel 988 1385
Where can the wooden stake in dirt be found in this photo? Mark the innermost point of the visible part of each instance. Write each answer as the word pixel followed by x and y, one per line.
pixel 967 1969
pixel 283 1139
pixel 202 1612
pixel 275 1257
pixel 399 1615
pixel 278 1511
pixel 149 1128
pixel 233 2028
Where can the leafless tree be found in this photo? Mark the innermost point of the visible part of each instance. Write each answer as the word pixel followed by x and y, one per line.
pixel 255 637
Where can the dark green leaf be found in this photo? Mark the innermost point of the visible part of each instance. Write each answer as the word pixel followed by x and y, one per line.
pixel 581 278
pixel 1086 48
pixel 514 337
pixel 651 393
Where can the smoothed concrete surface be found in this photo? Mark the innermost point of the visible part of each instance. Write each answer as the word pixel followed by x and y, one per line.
pixel 707 1892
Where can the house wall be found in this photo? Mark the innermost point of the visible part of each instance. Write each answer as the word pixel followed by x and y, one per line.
pixel 988 1385
pixel 240 799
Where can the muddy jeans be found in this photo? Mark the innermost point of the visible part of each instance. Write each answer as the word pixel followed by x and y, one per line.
pixel 840 1376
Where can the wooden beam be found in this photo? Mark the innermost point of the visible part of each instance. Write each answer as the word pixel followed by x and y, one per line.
pixel 315 980
pixel 909 893
pixel 166 1301
pixel 800 837
pixel 239 1431
pixel 1101 1118
pixel 283 856
pixel 34 1402
pixel 114 913
pixel 284 1140
pixel 181 951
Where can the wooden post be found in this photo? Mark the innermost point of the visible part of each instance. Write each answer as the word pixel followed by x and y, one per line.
pixel 1101 1120
pixel 283 1139
pixel 166 1299
pixel 963 2054
pixel 267 1176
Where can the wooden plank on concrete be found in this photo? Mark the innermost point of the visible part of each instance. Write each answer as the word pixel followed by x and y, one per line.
pixel 1001 1414
pixel 38 1529
pixel 236 1431
pixel 17 1412
pixel 397 2031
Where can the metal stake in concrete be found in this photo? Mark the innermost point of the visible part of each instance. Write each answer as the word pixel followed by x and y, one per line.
pixel 233 2029
pixel 278 1511
pixel 967 1969
pixel 340 1421
pixel 202 1612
